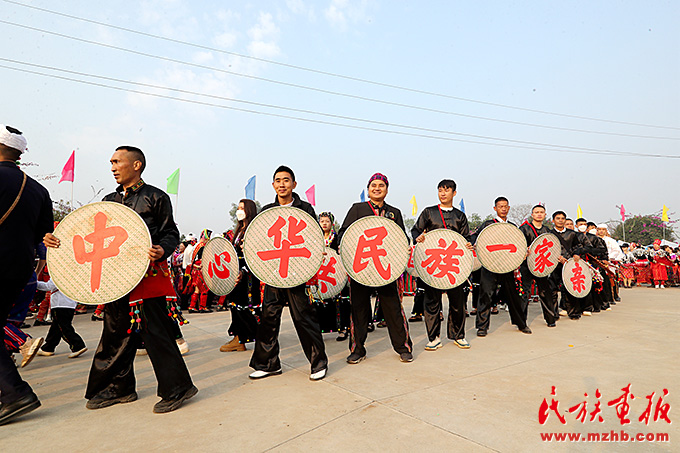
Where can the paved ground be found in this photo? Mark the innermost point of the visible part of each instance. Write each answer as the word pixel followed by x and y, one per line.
pixel 486 398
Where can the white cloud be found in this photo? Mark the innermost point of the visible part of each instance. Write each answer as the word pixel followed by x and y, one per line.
pixel 341 12
pixel 263 37
pixel 299 7
pixel 225 40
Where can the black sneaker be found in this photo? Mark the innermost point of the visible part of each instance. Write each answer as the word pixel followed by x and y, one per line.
pixel 525 329
pixel 38 322
pixel 355 358
pixel 481 333
pixel 164 405
pixel 99 402
pixel 10 411
pixel 406 357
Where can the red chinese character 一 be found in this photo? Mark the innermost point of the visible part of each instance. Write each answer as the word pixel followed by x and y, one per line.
pixel 442 261
pixel 284 248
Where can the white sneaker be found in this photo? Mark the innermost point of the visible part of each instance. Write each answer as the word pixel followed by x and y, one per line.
pixel 433 345
pixel 45 353
pixel 462 343
pixel 261 374
pixel 656 286
pixel 563 313
pixel 587 313
pixel 662 287
pixel 318 375
pixel 608 309
pixel 183 345
pixel 75 354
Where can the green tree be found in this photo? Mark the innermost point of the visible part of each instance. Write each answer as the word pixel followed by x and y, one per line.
pixel 475 220
pixel 408 224
pixel 644 229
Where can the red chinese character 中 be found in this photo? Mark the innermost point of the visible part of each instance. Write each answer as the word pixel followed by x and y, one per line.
pixel 543 258
pixel 578 280
pixel 99 252
pixel 326 274
pixel 661 410
pixel 442 261
pixel 622 406
pixel 284 247
pixel 218 267
pixel 368 250
pixel 545 408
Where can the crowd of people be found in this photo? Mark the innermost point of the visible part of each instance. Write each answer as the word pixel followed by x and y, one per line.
pixel 149 321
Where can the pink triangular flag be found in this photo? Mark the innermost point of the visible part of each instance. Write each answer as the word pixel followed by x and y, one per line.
pixel 68 172
pixel 311 196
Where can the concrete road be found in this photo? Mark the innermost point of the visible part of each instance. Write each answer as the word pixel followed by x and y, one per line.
pixel 486 398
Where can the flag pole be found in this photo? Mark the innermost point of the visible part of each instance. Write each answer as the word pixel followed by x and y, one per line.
pixel 72 183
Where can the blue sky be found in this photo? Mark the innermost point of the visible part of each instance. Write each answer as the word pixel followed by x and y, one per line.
pixel 615 61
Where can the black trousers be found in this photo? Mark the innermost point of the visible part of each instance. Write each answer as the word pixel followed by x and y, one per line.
pixel 509 294
pixel 266 353
pixel 243 324
pixel 112 373
pixel 545 293
pixel 419 299
pixel 397 325
pixel 455 328
pixel 62 327
pixel 572 305
pixel 12 387
pixel 474 280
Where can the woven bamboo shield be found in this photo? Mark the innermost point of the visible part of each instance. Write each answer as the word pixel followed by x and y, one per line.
pixel 374 251
pixel 332 276
pixel 476 264
pixel 219 266
pixel 501 247
pixel 410 267
pixel 103 253
pixel 577 278
pixel 442 260
pixel 543 254
pixel 283 247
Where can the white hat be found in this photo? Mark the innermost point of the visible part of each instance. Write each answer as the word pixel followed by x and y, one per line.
pixel 12 138
pixel 603 225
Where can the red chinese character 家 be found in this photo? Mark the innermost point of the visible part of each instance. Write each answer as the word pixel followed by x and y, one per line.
pixel 284 247
pixel 543 256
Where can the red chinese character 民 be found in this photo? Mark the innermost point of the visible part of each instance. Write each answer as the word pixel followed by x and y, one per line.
pixel 661 410
pixel 543 258
pixel 622 406
pixel 326 273
pixel 545 408
pixel 442 261
pixel 578 280
pixel 218 267
pixel 284 247
pixel 368 250
pixel 99 252
pixel 512 248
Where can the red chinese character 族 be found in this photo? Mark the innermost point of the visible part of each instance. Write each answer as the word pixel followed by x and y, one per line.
pixel 218 267
pixel 545 408
pixel 512 248
pixel 543 255
pixel 99 252
pixel 661 410
pixel 582 409
pixel 442 261
pixel 622 406
pixel 326 273
pixel 597 411
pixel 284 247
pixel 578 280
pixel 368 249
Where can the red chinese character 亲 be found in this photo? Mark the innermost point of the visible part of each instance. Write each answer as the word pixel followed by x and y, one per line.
pixel 442 261
pixel 545 408
pixel 218 267
pixel 661 410
pixel 284 247
pixel 512 248
pixel 99 252
pixel 578 280
pixel 622 406
pixel 326 273
pixel 368 250
pixel 543 258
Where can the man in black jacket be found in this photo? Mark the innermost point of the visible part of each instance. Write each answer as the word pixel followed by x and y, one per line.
pixel 360 295
pixel 25 216
pixel 112 378
pixel 265 359
pixel 444 215
pixel 531 231
pixel 594 250
pixel 490 280
pixel 570 240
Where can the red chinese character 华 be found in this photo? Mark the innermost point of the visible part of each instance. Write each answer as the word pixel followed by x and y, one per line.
pixel 99 251
pixel 545 408
pixel 218 267
pixel 284 247
pixel 578 280
pixel 622 406
pixel 661 410
pixel 325 274
pixel 368 250
pixel 442 261
pixel 543 258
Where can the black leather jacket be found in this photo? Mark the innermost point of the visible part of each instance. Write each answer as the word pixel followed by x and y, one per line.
pixel 363 209
pixel 154 206
pixel 570 240
pixel 431 219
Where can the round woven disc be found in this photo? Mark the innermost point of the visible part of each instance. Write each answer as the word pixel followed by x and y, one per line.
pixel 374 251
pixel 283 246
pixel 442 260
pixel 501 247
pixel 476 264
pixel 98 268
pixel 577 278
pixel 410 267
pixel 332 276
pixel 543 254
pixel 219 266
